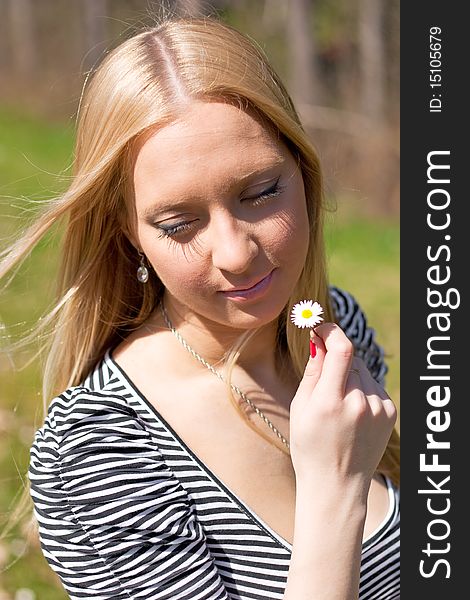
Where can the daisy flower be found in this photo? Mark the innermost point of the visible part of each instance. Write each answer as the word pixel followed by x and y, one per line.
pixel 306 313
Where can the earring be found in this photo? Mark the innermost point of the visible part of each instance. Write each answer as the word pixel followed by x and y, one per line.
pixel 142 271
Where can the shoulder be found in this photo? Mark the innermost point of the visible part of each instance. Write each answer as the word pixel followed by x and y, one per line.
pixel 346 308
pixel 82 407
pixel 88 420
pixel 353 321
pixel 106 502
pixel 94 448
pixel 96 401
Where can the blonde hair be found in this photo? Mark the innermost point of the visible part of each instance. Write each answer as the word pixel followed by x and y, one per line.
pixel 143 84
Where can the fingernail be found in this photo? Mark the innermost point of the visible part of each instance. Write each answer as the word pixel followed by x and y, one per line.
pixel 313 348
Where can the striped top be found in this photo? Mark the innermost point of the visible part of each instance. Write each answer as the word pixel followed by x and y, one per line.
pixel 127 511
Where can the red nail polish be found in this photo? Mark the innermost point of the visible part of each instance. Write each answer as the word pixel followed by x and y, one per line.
pixel 313 349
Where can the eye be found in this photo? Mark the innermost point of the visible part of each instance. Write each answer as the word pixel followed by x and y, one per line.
pixel 174 230
pixel 271 192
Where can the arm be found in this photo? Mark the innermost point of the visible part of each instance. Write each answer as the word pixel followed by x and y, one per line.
pixel 115 524
pixel 340 424
pixel 327 542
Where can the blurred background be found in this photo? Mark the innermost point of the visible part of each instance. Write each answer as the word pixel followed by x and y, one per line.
pixel 340 61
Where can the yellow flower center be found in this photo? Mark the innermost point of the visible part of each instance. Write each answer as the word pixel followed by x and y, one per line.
pixel 307 313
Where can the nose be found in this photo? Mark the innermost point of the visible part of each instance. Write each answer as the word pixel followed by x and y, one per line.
pixel 233 245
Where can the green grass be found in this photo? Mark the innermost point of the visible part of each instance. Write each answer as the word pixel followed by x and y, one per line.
pixel 33 159
pixel 32 154
pixel 363 258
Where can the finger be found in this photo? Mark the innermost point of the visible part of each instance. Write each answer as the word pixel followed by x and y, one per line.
pixel 361 380
pixel 390 409
pixel 354 379
pixel 369 384
pixel 319 346
pixel 338 357
pixel 377 397
pixel 313 368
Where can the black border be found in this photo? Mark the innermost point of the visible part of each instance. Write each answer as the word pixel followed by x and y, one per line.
pixel 422 132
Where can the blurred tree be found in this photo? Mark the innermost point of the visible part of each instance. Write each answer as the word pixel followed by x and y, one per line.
pixel 339 60
pixel 274 15
pixel 22 37
pixel 304 81
pixel 372 58
pixel 192 8
pixel 95 13
pixel 392 59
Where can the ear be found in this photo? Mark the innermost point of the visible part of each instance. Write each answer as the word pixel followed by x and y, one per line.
pixel 128 224
pixel 127 214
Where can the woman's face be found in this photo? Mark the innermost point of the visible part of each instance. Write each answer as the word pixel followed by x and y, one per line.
pixel 221 216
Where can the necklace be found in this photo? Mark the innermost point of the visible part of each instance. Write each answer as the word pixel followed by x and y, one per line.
pixel 218 374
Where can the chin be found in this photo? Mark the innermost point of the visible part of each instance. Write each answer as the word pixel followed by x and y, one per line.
pixel 252 317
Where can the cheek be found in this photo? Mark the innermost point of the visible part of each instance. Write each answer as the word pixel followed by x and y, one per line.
pixel 177 270
pixel 288 235
pixel 178 273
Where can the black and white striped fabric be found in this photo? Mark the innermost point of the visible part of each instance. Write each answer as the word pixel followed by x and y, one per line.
pixel 353 322
pixel 127 511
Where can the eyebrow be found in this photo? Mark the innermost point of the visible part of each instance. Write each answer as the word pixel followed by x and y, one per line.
pixel 151 212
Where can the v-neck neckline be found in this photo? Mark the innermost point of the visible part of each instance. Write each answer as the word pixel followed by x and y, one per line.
pixel 378 531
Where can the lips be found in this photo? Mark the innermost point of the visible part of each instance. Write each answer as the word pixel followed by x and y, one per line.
pixel 249 290
pixel 245 288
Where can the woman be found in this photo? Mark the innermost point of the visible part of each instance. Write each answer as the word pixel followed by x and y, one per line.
pixel 193 224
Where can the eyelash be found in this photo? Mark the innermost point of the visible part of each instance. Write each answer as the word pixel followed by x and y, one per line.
pixel 173 230
pixel 271 192
pixel 259 200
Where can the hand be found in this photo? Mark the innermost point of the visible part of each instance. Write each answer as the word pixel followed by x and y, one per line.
pixel 340 418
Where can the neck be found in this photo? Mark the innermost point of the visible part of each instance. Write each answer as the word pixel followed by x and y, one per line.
pixel 214 341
